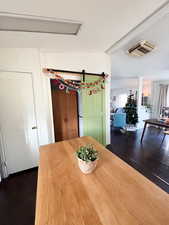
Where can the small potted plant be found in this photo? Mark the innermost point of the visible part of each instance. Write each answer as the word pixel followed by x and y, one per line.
pixel 87 158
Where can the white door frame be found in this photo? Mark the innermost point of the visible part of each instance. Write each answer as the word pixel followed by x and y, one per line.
pixel 2 143
pixel 49 100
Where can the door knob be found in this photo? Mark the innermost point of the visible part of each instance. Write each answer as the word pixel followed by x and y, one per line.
pixel 33 128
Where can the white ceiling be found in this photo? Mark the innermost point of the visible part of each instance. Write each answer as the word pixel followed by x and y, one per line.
pixel 154 65
pixel 104 22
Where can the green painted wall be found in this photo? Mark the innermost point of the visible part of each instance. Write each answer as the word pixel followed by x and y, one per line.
pixel 94 117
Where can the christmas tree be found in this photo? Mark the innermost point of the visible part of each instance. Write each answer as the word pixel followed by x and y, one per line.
pixel 131 110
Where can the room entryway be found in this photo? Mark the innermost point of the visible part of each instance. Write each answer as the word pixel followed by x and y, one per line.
pixel 78 104
pixel 18 127
pixel 65 113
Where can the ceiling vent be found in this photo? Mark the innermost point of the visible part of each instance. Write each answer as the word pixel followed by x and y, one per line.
pixel 141 48
pixel 37 24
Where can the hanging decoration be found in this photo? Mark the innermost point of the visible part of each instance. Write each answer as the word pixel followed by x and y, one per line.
pixel 61 83
pixel 61 86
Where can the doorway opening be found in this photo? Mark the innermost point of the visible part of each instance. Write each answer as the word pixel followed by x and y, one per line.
pixel 65 113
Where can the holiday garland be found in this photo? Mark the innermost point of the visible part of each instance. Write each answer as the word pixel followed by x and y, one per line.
pixel 92 87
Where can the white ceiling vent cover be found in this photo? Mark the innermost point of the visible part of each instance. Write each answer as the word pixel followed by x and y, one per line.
pixel 141 48
pixel 27 23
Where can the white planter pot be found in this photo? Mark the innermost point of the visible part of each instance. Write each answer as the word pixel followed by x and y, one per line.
pixel 87 167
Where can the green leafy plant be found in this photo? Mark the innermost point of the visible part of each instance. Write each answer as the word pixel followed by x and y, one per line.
pixel 87 153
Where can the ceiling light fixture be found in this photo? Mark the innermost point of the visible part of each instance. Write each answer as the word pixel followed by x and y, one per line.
pixel 37 24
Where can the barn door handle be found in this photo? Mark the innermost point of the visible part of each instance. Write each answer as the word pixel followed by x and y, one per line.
pixel 33 128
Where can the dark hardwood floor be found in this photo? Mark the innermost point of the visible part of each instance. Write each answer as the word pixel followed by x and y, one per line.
pixel 150 158
pixel 17 199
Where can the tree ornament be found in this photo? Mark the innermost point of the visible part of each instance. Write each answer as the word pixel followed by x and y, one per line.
pixel 61 86
pixel 67 90
pixel 90 92
pixel 102 87
pixel 95 91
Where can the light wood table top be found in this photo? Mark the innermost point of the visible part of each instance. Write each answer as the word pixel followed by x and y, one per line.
pixel 114 194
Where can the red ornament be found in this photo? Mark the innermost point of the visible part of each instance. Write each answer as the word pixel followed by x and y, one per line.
pixel 55 82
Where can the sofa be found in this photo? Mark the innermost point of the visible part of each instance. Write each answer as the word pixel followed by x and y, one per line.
pixel 118 119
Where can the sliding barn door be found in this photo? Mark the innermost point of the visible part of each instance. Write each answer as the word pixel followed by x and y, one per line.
pixel 93 107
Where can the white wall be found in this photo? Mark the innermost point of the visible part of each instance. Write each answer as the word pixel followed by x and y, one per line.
pixel 124 83
pixel 33 60
pixel 27 60
pixel 91 62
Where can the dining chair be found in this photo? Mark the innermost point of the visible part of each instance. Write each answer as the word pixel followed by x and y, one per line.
pixel 166 132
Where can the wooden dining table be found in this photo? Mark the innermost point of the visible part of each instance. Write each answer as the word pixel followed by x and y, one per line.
pixel 113 194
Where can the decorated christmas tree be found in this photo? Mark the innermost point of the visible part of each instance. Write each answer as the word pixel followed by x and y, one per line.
pixel 131 110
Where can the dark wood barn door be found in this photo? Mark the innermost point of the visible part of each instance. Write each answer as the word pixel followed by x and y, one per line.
pixel 65 114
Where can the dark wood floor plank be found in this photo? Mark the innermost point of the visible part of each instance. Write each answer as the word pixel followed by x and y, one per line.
pixel 17 199
pixel 150 157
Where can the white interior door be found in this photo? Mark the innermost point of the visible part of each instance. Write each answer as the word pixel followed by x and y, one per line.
pixel 18 121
